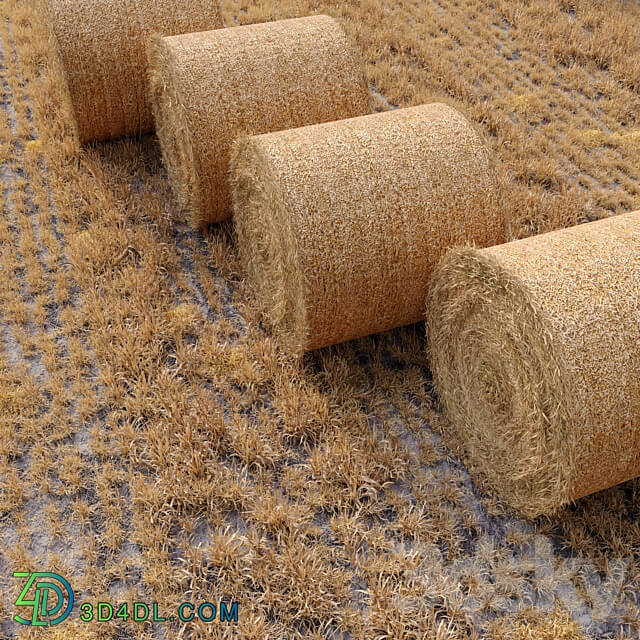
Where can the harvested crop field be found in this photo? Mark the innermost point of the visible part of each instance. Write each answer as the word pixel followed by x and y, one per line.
pixel 157 444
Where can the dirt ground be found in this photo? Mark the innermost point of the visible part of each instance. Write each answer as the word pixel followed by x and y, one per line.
pixel 156 444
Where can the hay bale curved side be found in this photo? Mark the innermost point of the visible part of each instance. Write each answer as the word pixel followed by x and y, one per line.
pixel 534 352
pixel 339 225
pixel 102 44
pixel 209 88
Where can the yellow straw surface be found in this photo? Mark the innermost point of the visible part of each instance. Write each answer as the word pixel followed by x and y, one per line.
pixel 339 225
pixel 102 45
pixel 535 352
pixel 208 88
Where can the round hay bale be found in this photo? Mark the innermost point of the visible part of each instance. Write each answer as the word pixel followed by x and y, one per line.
pixel 339 225
pixel 535 353
pixel 102 44
pixel 208 88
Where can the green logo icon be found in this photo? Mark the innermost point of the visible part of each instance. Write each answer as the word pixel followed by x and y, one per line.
pixel 47 599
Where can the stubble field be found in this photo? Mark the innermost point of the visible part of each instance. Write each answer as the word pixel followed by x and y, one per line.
pixel 156 444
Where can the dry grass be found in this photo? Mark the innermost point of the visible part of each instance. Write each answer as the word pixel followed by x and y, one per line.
pixel 155 442
pixel 557 626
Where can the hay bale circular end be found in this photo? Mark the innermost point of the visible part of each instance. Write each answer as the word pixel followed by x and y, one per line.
pixel 207 89
pixel 534 351
pixel 267 244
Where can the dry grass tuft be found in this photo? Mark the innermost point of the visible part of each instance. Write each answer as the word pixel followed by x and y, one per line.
pixel 208 88
pixel 557 626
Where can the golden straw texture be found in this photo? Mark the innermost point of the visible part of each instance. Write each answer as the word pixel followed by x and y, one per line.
pixel 102 44
pixel 208 88
pixel 535 352
pixel 340 224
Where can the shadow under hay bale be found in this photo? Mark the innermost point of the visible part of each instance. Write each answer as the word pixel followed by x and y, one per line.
pixel 209 87
pixel 340 224
pixel 102 47
pixel 534 351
